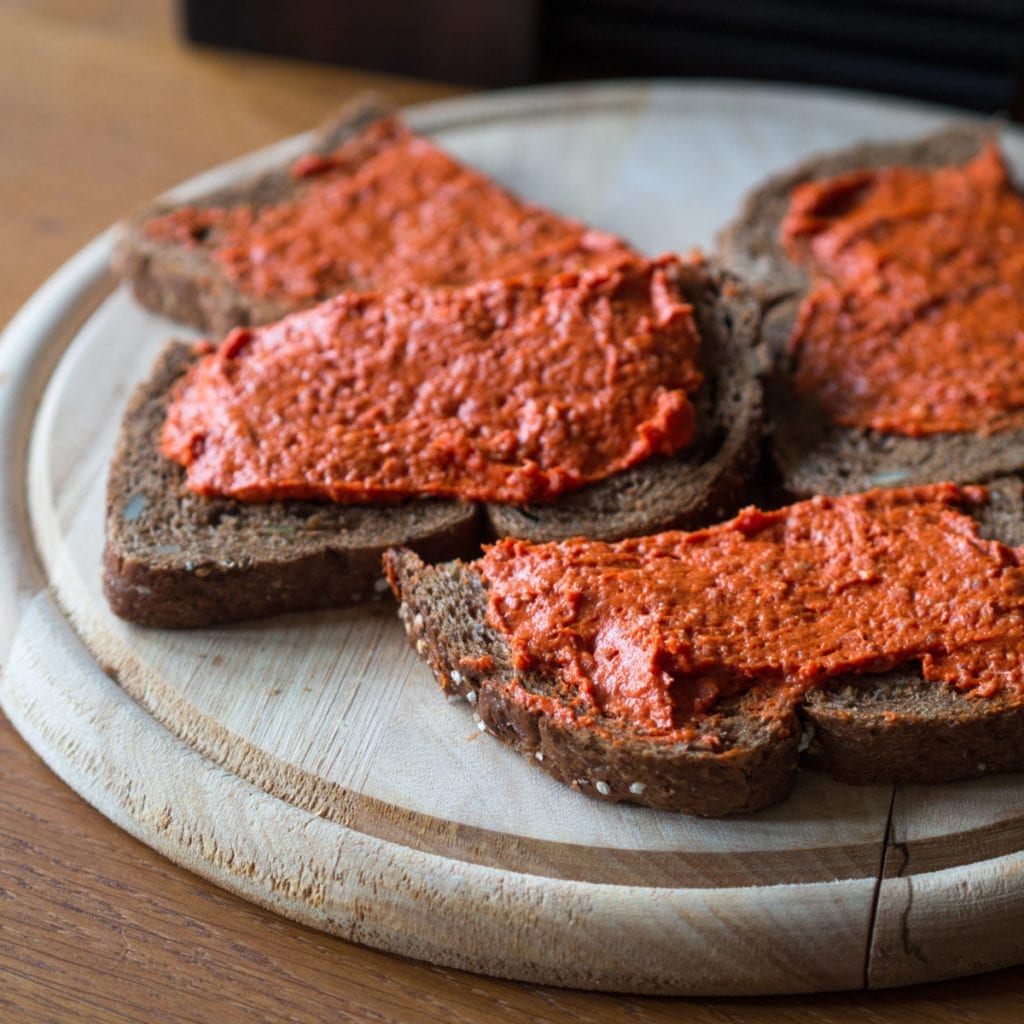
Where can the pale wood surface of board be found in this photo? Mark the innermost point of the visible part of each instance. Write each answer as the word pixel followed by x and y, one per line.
pixel 100 928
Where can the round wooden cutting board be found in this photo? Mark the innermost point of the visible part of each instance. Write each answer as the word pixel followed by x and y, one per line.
pixel 310 764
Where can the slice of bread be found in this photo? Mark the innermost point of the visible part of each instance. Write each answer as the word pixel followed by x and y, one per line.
pixel 895 727
pixel 373 227
pixel 876 728
pixel 443 609
pixel 174 558
pixel 812 454
pixel 183 282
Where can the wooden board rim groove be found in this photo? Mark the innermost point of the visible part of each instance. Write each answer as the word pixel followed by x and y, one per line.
pixel 223 864
pixel 995 839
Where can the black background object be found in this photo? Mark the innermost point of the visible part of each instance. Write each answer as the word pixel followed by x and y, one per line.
pixel 969 53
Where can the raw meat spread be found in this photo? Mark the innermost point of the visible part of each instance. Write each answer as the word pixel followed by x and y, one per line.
pixel 387 209
pixel 914 322
pixel 657 631
pixel 510 391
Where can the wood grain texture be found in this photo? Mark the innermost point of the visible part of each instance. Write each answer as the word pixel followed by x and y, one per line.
pixel 94 925
pixel 97 927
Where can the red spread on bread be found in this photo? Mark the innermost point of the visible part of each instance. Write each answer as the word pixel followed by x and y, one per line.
pixel 656 631
pixel 387 209
pixel 914 322
pixel 512 391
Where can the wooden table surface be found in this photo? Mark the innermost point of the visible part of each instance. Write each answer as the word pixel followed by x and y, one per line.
pixel 101 107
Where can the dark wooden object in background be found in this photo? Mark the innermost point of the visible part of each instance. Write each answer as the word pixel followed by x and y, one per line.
pixel 486 43
pixel 969 53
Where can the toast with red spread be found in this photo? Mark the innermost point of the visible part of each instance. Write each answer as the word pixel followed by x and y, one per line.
pixel 738 753
pixel 813 454
pixel 369 206
pixel 175 558
pixel 179 278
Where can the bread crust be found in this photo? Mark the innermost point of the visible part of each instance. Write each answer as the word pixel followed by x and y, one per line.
pixel 867 729
pixel 811 454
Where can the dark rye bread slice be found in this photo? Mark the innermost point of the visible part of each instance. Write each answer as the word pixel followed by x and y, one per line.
pixel 443 609
pixel 895 727
pixel 813 455
pixel 702 483
pixel 174 558
pixel 183 282
pixel 886 727
pixel 750 247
